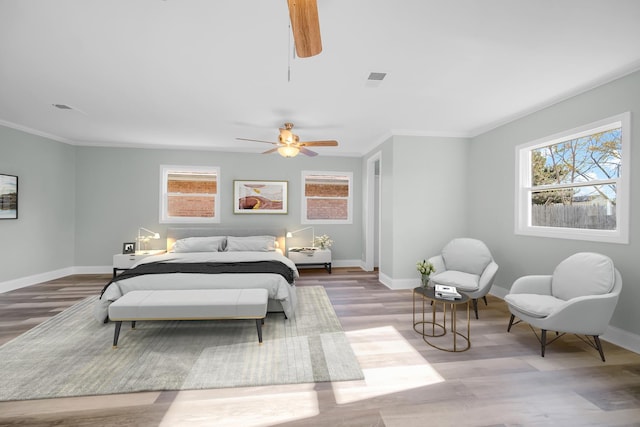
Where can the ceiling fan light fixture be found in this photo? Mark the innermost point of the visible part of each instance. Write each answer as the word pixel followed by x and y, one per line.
pixel 289 144
pixel 288 151
pixel 286 136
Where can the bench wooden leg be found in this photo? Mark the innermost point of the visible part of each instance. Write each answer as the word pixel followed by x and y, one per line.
pixel 116 334
pixel 259 323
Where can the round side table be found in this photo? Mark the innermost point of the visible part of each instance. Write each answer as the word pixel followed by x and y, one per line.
pixel 434 328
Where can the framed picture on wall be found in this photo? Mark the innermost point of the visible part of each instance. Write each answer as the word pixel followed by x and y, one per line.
pixel 129 248
pixel 8 196
pixel 260 197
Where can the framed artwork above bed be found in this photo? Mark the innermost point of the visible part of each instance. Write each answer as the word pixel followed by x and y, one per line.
pixel 260 197
pixel 8 196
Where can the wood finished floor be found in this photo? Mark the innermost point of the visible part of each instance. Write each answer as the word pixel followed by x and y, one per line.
pixel 500 381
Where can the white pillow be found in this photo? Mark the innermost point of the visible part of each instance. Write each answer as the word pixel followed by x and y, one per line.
pixel 200 244
pixel 251 243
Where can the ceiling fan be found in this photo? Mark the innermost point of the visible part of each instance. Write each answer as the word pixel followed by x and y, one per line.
pixel 305 26
pixel 289 144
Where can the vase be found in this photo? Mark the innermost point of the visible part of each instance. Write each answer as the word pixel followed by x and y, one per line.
pixel 425 280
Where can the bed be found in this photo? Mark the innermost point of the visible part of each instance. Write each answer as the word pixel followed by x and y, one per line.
pixel 212 258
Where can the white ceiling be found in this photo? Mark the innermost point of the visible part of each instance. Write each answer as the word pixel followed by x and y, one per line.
pixel 199 73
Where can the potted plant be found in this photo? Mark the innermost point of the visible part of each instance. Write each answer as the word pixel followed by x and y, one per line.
pixel 323 242
pixel 425 268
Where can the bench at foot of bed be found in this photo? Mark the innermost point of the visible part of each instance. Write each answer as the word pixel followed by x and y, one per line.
pixel 197 304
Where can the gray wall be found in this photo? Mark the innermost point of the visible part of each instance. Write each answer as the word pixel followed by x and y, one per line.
pixel 491 193
pixel 41 240
pixel 423 188
pixel 118 191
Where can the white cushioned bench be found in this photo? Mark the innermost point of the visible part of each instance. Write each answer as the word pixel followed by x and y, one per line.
pixel 196 304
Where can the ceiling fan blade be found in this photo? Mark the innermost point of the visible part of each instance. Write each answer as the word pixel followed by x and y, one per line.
pixel 307 152
pixel 273 150
pixel 257 140
pixel 305 26
pixel 319 143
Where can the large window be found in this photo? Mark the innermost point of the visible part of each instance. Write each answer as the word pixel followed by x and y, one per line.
pixel 574 185
pixel 327 197
pixel 189 194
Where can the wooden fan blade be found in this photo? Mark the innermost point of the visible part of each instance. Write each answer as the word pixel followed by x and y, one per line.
pixel 257 140
pixel 319 143
pixel 273 150
pixel 305 26
pixel 307 152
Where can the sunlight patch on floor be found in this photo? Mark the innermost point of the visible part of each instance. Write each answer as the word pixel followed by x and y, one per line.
pixel 389 363
pixel 257 408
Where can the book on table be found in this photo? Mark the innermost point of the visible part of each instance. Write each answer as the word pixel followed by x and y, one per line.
pixel 447 292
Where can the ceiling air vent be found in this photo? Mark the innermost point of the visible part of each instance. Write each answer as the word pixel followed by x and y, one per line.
pixel 377 76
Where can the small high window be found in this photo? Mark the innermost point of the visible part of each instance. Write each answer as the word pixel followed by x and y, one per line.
pixel 574 185
pixel 189 194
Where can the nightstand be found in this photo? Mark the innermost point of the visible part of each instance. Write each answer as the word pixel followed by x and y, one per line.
pixel 126 261
pixel 310 256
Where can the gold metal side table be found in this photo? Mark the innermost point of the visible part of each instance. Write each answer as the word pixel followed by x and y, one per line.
pixel 434 328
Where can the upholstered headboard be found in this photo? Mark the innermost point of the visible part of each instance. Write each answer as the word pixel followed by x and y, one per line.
pixel 175 233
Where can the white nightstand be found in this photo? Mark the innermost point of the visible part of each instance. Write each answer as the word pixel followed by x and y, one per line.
pixel 310 256
pixel 126 261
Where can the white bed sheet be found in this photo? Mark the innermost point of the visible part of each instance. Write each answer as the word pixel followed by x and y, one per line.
pixel 277 286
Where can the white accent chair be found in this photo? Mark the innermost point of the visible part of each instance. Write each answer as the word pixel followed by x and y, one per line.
pixel 579 298
pixel 468 265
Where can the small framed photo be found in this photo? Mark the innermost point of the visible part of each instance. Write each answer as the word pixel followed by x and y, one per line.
pixel 260 197
pixel 129 248
pixel 8 196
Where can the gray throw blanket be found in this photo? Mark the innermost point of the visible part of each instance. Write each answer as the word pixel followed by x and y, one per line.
pixel 275 267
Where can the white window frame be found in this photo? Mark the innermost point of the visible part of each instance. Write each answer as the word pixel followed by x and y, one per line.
pixel 523 188
pixel 304 198
pixel 165 170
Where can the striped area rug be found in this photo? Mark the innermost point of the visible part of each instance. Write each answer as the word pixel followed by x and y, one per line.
pixel 71 354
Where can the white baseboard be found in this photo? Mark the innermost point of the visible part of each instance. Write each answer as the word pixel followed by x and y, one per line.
pixel 99 269
pixel 23 282
pixel 622 338
pixel 347 263
pixel 397 284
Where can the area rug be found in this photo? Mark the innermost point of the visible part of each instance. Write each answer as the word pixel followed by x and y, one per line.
pixel 71 354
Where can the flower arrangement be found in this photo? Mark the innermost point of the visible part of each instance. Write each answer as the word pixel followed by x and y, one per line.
pixel 425 268
pixel 323 241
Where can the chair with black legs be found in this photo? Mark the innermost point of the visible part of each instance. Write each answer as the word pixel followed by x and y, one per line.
pixel 578 298
pixel 466 264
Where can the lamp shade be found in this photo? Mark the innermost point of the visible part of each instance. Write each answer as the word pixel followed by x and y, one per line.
pixel 288 151
pixel 151 235
pixel 144 235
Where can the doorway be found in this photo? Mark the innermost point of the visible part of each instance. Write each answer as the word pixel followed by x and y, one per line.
pixel 373 203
